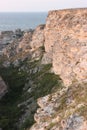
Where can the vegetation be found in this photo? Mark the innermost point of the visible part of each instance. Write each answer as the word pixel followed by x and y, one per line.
pixel 16 78
pixel 9 112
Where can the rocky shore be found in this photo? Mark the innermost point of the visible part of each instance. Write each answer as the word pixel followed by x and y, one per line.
pixel 52 60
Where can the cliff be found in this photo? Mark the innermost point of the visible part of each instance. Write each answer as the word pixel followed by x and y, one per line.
pixel 66 48
pixel 66 42
pixel 62 45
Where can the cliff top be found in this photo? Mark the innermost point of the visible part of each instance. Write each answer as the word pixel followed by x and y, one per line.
pixel 70 9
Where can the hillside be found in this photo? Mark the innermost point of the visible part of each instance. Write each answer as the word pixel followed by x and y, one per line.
pixel 45 71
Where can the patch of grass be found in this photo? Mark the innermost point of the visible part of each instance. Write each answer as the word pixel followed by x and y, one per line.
pixel 82 111
pixel 50 126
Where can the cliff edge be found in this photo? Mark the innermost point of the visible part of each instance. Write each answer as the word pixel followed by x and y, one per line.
pixel 66 43
pixel 66 48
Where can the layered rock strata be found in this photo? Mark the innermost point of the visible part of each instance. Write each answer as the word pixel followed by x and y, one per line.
pixel 66 48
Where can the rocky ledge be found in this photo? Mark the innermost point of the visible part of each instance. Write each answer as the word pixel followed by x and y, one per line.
pixel 63 110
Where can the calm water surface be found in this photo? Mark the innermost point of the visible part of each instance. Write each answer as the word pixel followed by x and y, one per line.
pixel 24 21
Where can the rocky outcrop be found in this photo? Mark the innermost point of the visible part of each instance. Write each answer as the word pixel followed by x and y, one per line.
pixel 3 88
pixel 66 42
pixel 63 110
pixel 38 37
pixel 24 44
pixel 30 45
pixel 66 48
pixel 32 40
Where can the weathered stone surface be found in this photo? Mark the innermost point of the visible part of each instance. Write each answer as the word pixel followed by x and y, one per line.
pixel 10 50
pixel 29 45
pixel 66 40
pixel 47 58
pixel 3 88
pixel 38 37
pixel 74 122
pixel 24 44
pixel 62 110
pixel 7 37
pixel 32 39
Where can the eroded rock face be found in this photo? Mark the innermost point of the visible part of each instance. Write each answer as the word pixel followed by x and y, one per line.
pixel 24 43
pixel 3 88
pixel 29 45
pixel 38 37
pixel 63 110
pixel 32 39
pixel 66 41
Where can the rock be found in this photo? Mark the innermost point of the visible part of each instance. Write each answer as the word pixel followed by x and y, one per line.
pixel 29 45
pixel 6 37
pixel 3 88
pixel 6 64
pixel 37 54
pixel 47 58
pixel 38 37
pixel 16 63
pixel 74 122
pixel 32 40
pixel 10 50
pixel 55 114
pixel 66 42
pixel 18 33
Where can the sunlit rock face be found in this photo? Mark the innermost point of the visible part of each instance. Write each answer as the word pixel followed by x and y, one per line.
pixel 63 110
pixel 3 88
pixel 32 40
pixel 66 42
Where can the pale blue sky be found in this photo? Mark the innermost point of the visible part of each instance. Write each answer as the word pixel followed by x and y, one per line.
pixel 39 5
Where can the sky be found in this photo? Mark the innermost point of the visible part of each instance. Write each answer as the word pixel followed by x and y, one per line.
pixel 39 5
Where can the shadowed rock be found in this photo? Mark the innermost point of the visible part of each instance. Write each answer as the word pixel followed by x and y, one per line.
pixel 3 88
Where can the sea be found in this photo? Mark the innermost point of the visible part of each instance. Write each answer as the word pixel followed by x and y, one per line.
pixel 23 21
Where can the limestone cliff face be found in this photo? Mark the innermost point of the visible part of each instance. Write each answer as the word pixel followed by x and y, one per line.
pixel 66 43
pixel 62 110
pixel 66 48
